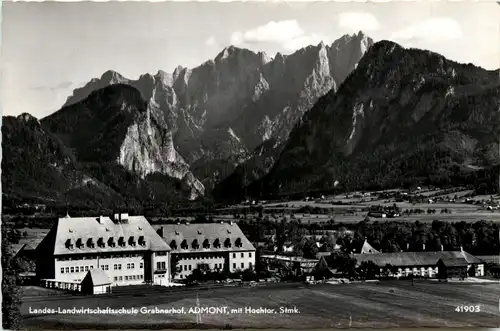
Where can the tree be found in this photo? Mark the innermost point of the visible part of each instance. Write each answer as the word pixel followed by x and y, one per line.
pixel 174 268
pixel 369 270
pixel 11 314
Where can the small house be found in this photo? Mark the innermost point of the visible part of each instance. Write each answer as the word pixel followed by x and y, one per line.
pixel 452 268
pixel 96 282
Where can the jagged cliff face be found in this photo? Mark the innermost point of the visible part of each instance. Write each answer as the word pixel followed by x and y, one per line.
pixel 219 112
pixel 403 116
pixel 116 125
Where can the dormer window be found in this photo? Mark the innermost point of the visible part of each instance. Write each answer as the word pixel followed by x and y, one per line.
pixel 177 233
pixel 69 244
pixel 79 243
pixel 228 231
pixel 206 243
pixel 238 243
pixel 195 244
pixel 90 243
pixel 199 231
pixel 121 241
pixel 227 243
pixel 131 241
pixel 173 244
pixel 217 243
pixel 111 242
pixel 141 240
pixel 100 242
pixel 184 244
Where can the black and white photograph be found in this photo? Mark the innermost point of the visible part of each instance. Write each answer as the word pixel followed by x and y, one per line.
pixel 250 165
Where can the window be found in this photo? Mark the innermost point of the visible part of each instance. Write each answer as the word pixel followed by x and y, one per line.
pixel 163 266
pixel 234 255
pixel 250 265
pixel 128 265
pixel 126 277
pixel 116 278
pixel 132 265
pixel 87 268
pixel 158 265
pixel 103 267
pixel 120 278
pixel 234 265
pixel 67 269
pixel 242 255
pixel 185 267
pixel 62 270
pixel 119 267
pixel 72 269
pixel 242 265
pixel 250 254
pixel 141 265
pixel 190 267
pixel 91 267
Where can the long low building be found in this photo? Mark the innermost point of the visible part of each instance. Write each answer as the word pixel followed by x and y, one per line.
pixel 125 248
pixel 221 246
pixel 424 264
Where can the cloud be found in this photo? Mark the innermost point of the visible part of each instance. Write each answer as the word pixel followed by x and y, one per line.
pixel 60 86
pixel 288 34
pixel 356 21
pixel 434 30
pixel 210 42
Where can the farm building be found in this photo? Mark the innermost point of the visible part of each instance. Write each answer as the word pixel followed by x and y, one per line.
pixel 125 247
pixel 288 264
pixel 452 268
pixel 424 264
pixel 221 246
pixel 96 282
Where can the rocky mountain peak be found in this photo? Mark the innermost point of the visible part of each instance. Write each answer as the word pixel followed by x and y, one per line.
pixel 112 76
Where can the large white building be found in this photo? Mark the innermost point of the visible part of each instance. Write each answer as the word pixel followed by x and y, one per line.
pixel 125 248
pixel 222 246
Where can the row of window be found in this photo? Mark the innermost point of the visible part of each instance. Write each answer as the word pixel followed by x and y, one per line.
pixel 242 255
pixel 189 267
pixel 68 270
pixel 102 256
pixel 127 278
pixel 129 266
pixel 161 266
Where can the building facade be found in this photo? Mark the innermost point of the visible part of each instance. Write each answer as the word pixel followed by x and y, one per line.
pixel 221 246
pixel 126 248
pixel 421 264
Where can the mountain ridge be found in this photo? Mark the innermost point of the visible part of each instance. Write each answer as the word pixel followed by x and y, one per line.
pixel 396 102
pixel 221 110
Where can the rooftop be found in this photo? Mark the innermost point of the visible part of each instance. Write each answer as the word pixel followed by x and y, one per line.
pixel 204 237
pixel 415 259
pixel 101 234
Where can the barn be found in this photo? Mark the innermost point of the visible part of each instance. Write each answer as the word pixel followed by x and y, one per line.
pixel 96 282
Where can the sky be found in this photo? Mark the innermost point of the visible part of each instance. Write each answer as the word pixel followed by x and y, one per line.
pixel 51 48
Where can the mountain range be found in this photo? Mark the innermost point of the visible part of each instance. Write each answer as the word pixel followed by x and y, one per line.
pixel 402 117
pixel 351 115
pixel 219 112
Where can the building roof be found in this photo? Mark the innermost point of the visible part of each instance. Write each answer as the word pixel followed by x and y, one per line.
pixel 192 234
pixel 368 249
pixel 69 232
pixel 454 262
pixel 415 259
pixel 16 248
pixel 97 277
pixel 289 258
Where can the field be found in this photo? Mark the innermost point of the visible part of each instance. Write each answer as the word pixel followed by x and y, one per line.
pixel 391 304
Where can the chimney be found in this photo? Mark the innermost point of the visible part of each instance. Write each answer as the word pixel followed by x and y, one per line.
pixel 423 247
pixel 100 219
pixel 116 217
pixel 442 248
pixel 407 246
pixel 461 248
